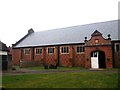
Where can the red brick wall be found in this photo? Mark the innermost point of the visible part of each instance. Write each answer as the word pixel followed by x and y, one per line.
pixel 117 56
pixel 66 58
pixel 26 57
pixel 91 46
pixel 79 58
pixel 51 58
pixel 70 59
pixel 73 58
pixel 108 55
pixel 16 56
pixel 38 57
pixel 101 41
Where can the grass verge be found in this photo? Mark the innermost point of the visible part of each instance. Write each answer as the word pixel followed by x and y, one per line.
pixel 63 80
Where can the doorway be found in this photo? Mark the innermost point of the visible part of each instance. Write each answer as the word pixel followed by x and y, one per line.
pixel 98 59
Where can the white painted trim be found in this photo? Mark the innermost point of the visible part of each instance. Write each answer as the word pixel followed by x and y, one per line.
pixel 38 53
pixel 50 53
pixel 94 61
pixel 3 53
pixel 64 47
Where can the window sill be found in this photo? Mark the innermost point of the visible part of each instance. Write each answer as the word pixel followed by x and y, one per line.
pixel 80 53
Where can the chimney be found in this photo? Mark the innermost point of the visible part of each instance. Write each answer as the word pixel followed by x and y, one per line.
pixel 30 31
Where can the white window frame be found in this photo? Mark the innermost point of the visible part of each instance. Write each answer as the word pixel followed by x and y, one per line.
pixel 26 51
pixel 50 48
pixel 40 52
pixel 63 47
pixel 80 52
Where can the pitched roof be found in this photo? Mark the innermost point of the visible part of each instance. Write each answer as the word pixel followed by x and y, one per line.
pixel 3 47
pixel 70 35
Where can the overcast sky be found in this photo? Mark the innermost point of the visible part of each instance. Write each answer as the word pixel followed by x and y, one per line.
pixel 18 16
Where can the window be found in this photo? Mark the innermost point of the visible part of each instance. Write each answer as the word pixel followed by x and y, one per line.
pixel 38 50
pixel 80 49
pixel 64 50
pixel 26 51
pixel 95 54
pixel 50 50
pixel 117 47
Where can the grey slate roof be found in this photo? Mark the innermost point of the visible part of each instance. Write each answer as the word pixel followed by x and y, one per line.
pixel 3 47
pixel 70 35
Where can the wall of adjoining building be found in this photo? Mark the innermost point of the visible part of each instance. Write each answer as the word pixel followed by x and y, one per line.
pixel 116 54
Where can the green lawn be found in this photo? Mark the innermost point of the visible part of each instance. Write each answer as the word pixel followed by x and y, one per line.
pixel 63 80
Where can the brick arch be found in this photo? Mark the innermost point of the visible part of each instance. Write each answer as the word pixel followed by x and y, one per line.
pixel 108 55
pixel 98 51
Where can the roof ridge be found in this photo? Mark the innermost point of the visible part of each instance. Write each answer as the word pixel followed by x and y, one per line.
pixel 77 25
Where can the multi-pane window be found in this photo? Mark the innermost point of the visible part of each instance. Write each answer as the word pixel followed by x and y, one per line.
pixel 38 50
pixel 80 49
pixel 64 50
pixel 26 51
pixel 117 48
pixel 50 50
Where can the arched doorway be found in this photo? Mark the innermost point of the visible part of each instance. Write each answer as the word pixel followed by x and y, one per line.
pixel 98 59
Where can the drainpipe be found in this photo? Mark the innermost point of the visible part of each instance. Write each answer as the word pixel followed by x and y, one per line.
pixel 58 52
pixel 32 54
pixel 113 54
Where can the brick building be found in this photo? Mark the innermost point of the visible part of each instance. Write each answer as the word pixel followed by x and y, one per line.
pixel 5 58
pixel 91 46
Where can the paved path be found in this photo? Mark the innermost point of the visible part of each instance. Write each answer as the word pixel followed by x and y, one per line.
pixel 28 71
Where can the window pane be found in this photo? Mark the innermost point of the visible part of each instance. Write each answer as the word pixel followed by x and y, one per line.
pixel 117 47
pixel 38 51
pixel 50 50
pixel 80 49
pixel 95 54
pixel 65 50
pixel 26 51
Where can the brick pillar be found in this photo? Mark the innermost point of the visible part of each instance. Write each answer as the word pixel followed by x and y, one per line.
pixel 58 56
pixel 32 54
pixel 21 54
pixel 44 55
pixel 71 55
